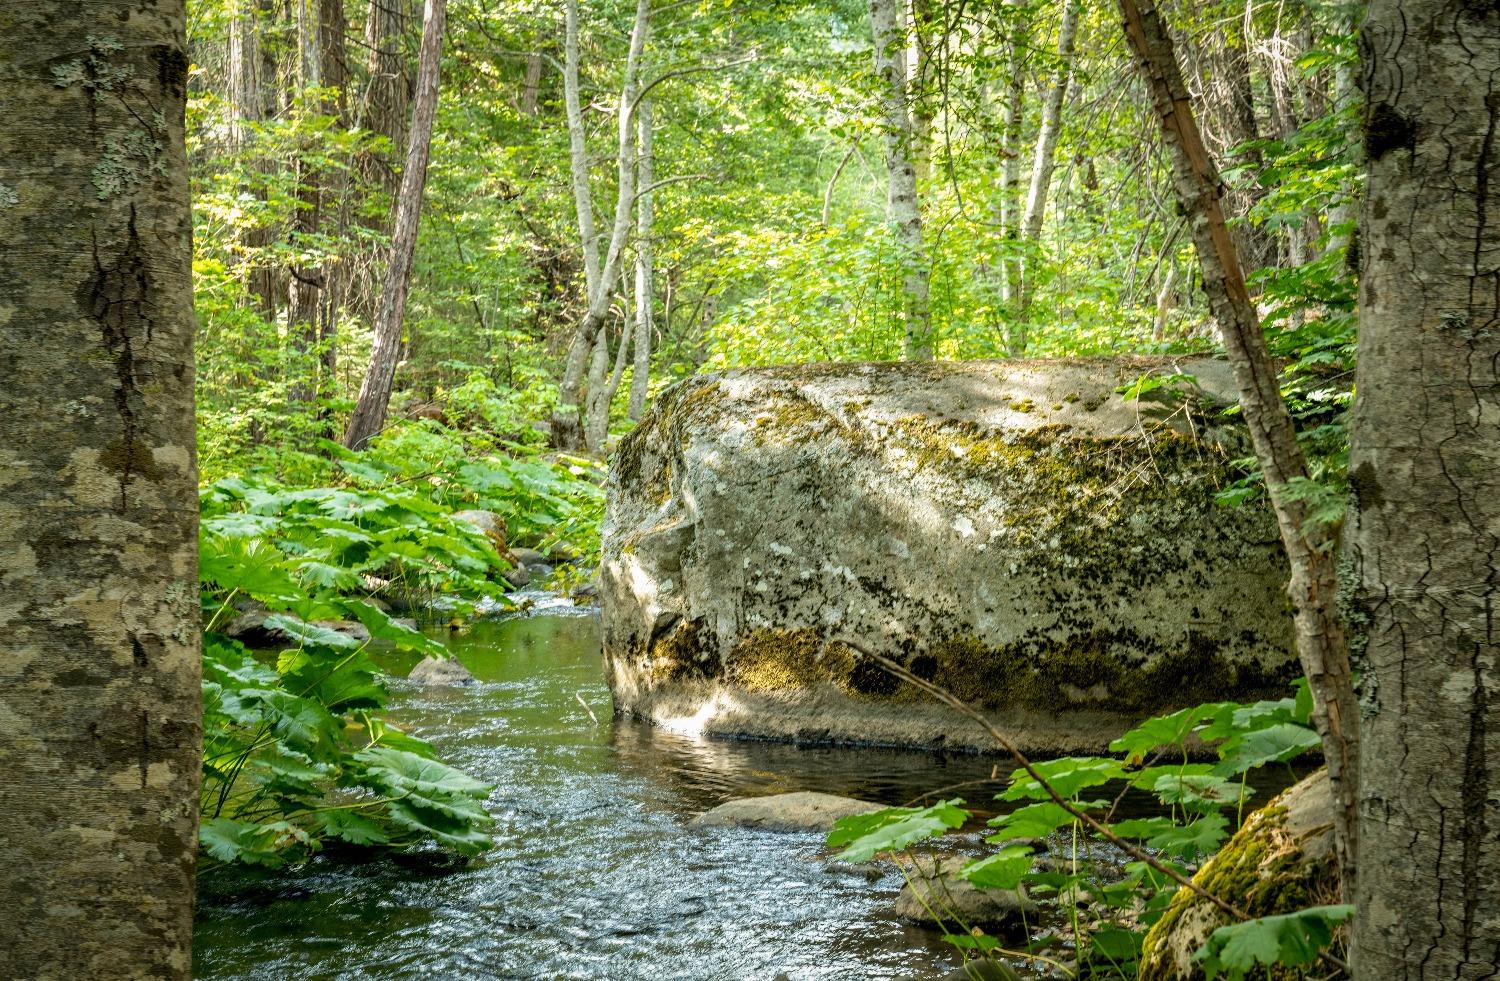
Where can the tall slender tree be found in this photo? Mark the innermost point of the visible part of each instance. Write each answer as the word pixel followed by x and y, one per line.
pixel 100 717
pixel 374 400
pixel 903 206
pixel 1043 162
pixel 1310 544
pixel 645 256
pixel 1424 534
pixel 600 272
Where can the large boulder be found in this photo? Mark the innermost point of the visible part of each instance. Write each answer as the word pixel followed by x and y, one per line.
pixel 1280 861
pixel 1016 531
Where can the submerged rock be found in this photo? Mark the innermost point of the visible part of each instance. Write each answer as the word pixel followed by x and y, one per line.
pixel 935 888
pixel 1280 861
pixel 1017 532
pixel 804 810
pixel 982 971
pixel 439 672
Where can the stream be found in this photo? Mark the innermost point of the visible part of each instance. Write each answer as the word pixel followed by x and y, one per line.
pixel 597 872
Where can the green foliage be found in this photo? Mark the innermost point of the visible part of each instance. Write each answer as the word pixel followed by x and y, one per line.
pixel 866 835
pixel 1200 804
pixel 1292 939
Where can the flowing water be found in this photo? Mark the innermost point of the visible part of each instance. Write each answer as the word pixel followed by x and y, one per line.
pixel 597 872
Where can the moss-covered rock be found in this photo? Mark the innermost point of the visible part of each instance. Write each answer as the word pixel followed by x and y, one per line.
pixel 1013 530
pixel 1280 861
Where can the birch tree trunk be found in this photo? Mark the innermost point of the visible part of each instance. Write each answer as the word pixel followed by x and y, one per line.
pixel 903 207
pixel 1424 531
pixel 1310 546
pixel 568 431
pixel 100 714
pixel 1010 180
pixel 645 266
pixel 1043 162
pixel 375 393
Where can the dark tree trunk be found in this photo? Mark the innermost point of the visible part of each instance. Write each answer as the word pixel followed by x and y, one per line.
pixel 1424 534
pixel 375 394
pixel 100 706
pixel 1310 546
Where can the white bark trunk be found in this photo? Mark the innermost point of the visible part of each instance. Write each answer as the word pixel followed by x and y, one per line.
pixel 902 204
pixel 645 266
pixel 567 422
pixel 1424 532
pixel 1043 162
pixel 100 691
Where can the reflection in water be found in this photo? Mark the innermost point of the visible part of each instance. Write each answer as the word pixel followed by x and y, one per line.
pixel 597 873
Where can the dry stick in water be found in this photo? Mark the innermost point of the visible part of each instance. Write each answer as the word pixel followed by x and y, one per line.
pixel 952 701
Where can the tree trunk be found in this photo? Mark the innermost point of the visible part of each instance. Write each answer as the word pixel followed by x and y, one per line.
pixel 1042 164
pixel 903 208
pixel 1010 179
pixel 385 36
pixel 567 420
pixel 305 280
pixel 1310 545
pixel 100 729
pixel 333 29
pixel 604 382
pixel 645 267
pixel 1424 534
pixel 375 394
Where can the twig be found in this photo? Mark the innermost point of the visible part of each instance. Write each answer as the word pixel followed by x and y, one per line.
pixel 579 695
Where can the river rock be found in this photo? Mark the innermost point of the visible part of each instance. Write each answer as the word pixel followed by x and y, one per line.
pixel 251 629
pixel 804 810
pixel 1017 532
pixel 518 577
pixel 488 522
pixel 530 557
pixel 436 672
pixel 935 886
pixel 1280 861
pixel 982 971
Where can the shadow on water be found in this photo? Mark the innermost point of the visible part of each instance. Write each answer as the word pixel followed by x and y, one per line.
pixel 597 872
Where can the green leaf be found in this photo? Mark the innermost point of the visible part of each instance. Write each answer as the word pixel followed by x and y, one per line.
pixel 430 797
pixel 1067 776
pixel 1199 792
pixel 1002 870
pixel 1291 940
pixel 894 828
pixel 383 628
pixel 1163 730
pixel 311 634
pixel 271 845
pixel 1278 743
pixel 1116 945
pixel 1188 842
pixel 1036 820
pixel 352 826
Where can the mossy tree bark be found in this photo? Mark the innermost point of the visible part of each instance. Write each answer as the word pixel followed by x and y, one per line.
pixel 100 711
pixel 375 392
pixel 1424 534
pixel 1311 546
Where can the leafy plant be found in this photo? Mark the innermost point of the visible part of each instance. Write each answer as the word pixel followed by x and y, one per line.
pixel 1196 799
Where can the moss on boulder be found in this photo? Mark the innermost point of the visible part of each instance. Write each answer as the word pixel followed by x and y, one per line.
pixel 1280 861
pixel 1015 531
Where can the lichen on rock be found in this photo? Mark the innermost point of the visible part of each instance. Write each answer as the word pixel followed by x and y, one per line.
pixel 1015 531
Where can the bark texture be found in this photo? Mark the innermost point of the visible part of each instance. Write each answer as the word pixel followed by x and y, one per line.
pixel 645 264
pixel 568 428
pixel 99 683
pixel 1425 468
pixel 903 207
pixel 1310 546
pixel 375 392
